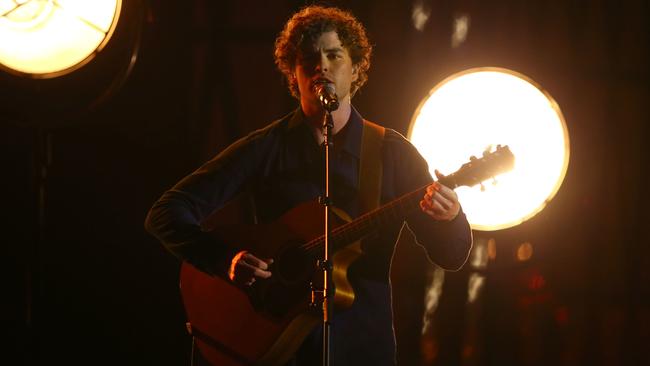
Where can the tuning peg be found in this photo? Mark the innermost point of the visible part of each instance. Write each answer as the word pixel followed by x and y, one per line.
pixel 473 158
pixel 482 187
pixel 487 150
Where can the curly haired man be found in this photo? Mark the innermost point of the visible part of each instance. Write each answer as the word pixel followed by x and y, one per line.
pixel 281 166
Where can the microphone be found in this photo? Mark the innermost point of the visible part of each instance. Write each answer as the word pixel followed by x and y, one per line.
pixel 326 93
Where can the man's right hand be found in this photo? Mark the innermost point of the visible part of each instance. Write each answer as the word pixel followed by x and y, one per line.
pixel 245 268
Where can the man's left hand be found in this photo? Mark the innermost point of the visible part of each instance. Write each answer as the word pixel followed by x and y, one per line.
pixel 440 202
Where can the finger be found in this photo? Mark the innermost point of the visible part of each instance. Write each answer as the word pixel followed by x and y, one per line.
pixel 444 202
pixel 448 193
pixel 433 187
pixel 256 262
pixel 262 273
pixel 438 174
pixel 430 192
pixel 426 208
pixel 247 271
pixel 427 198
pixel 438 209
pixel 426 203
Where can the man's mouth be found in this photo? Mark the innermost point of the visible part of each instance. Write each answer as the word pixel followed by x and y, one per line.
pixel 321 80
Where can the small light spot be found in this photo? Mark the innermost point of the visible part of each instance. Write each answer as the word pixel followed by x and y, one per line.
pixel 479 254
pixel 420 15
pixel 461 28
pixel 524 251
pixel 474 287
pixel 432 297
pixel 492 249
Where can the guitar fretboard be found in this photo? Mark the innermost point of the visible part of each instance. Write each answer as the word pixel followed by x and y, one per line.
pixel 367 223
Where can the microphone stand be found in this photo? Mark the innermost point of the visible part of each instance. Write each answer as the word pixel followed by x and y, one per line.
pixel 327 96
pixel 326 264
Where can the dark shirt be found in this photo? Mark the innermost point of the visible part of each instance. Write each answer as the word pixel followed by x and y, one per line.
pixel 281 166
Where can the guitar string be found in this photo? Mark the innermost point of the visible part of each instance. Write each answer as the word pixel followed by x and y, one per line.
pixel 468 174
pixel 397 208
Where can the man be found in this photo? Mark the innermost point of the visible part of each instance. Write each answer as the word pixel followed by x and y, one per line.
pixel 281 166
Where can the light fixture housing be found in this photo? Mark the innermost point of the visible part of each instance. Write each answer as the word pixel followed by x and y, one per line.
pixel 52 92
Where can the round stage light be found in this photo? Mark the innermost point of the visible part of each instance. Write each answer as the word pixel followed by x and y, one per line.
pixel 49 38
pixel 478 109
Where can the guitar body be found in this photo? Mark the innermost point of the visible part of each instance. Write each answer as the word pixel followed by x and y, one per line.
pixel 267 322
pixel 264 324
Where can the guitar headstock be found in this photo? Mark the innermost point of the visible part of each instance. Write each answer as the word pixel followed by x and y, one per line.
pixel 476 170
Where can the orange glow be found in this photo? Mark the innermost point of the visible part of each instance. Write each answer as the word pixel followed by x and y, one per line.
pixel 524 251
pixel 492 249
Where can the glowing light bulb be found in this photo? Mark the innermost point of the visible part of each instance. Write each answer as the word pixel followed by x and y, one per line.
pixel 481 108
pixel 47 38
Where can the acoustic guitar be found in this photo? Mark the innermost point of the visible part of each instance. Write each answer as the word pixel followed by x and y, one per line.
pixel 264 324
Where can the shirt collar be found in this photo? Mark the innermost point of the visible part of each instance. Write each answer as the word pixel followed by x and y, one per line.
pixel 348 138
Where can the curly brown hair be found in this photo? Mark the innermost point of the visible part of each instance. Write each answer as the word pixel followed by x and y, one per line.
pixel 307 25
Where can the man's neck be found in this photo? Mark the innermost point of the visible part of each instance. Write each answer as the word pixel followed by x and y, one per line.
pixel 339 116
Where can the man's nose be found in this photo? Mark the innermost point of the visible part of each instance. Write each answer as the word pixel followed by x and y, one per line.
pixel 323 64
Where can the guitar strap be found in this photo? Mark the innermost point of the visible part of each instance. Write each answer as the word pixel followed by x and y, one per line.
pixel 370 168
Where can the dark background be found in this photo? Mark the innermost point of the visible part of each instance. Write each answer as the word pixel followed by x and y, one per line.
pixel 102 291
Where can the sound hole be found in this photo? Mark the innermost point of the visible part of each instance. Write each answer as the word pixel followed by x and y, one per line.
pixel 293 265
pixel 288 287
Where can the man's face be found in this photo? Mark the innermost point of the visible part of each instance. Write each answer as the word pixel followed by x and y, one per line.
pixel 326 61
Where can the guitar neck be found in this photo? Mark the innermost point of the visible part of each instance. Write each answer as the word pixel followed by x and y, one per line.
pixel 367 223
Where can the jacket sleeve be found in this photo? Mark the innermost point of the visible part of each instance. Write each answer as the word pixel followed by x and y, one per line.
pixel 175 219
pixel 447 243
